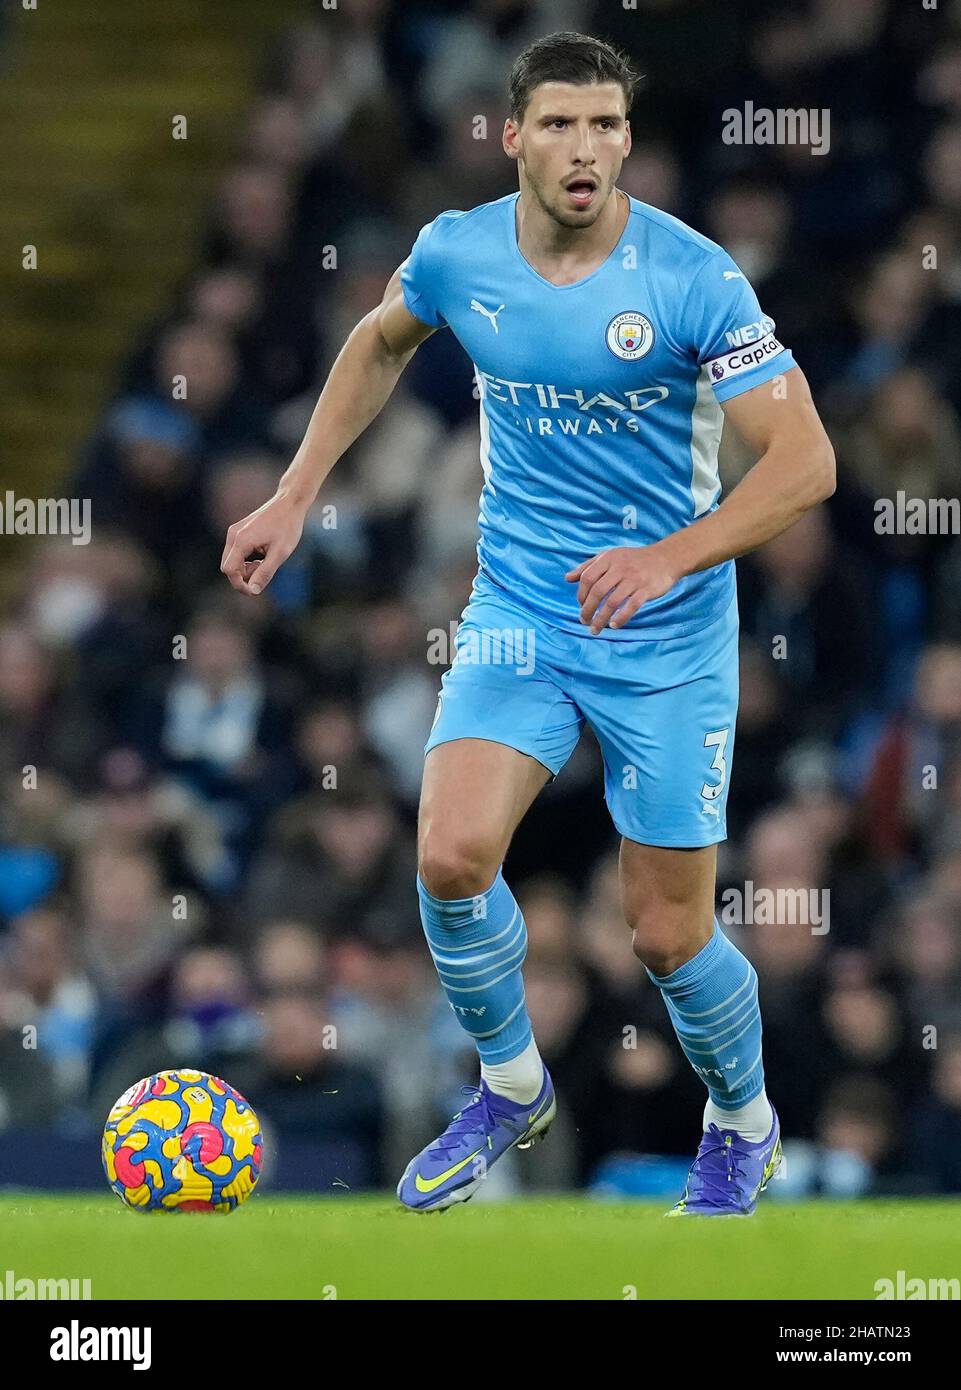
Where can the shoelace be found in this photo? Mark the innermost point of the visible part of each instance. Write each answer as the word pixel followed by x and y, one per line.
pixel 713 1185
pixel 475 1118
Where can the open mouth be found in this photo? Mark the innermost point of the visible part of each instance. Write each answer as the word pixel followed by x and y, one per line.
pixel 581 192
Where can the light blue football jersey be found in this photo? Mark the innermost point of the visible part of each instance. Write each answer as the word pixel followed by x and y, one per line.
pixel 600 401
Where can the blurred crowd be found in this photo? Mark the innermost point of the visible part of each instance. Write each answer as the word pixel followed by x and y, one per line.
pixel 208 814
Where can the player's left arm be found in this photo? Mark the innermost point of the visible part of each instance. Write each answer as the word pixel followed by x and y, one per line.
pixel 795 472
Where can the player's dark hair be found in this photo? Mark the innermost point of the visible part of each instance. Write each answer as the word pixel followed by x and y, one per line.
pixel 568 57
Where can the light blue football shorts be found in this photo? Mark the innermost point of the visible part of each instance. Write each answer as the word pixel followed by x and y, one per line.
pixel 663 710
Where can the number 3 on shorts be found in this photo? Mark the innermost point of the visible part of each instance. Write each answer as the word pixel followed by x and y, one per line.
pixel 717 741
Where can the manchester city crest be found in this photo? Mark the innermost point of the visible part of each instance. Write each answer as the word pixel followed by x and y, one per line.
pixel 630 335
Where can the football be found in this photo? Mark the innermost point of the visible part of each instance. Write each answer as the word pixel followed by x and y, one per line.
pixel 182 1141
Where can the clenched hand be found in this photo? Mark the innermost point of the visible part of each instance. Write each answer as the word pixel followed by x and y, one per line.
pixel 257 546
pixel 612 586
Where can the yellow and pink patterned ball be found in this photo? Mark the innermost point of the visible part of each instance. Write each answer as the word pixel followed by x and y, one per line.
pixel 182 1141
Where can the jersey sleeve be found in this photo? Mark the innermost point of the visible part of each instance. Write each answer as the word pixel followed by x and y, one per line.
pixel 733 340
pixel 420 279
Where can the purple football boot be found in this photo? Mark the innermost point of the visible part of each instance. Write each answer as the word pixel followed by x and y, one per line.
pixel 729 1174
pixel 452 1167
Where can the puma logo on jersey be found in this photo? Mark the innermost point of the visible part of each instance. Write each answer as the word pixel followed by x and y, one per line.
pixel 491 314
pixel 733 275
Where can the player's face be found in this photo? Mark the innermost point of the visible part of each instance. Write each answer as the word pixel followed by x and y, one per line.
pixel 570 145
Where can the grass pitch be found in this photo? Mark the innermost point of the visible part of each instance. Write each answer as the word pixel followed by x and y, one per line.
pixel 561 1248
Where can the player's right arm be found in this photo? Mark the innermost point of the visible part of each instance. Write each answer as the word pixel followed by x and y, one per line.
pixel 360 383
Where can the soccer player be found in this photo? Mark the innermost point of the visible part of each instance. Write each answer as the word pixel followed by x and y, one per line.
pixel 609 341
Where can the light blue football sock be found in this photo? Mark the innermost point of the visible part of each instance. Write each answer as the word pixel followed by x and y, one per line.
pixel 478 945
pixel 712 1002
